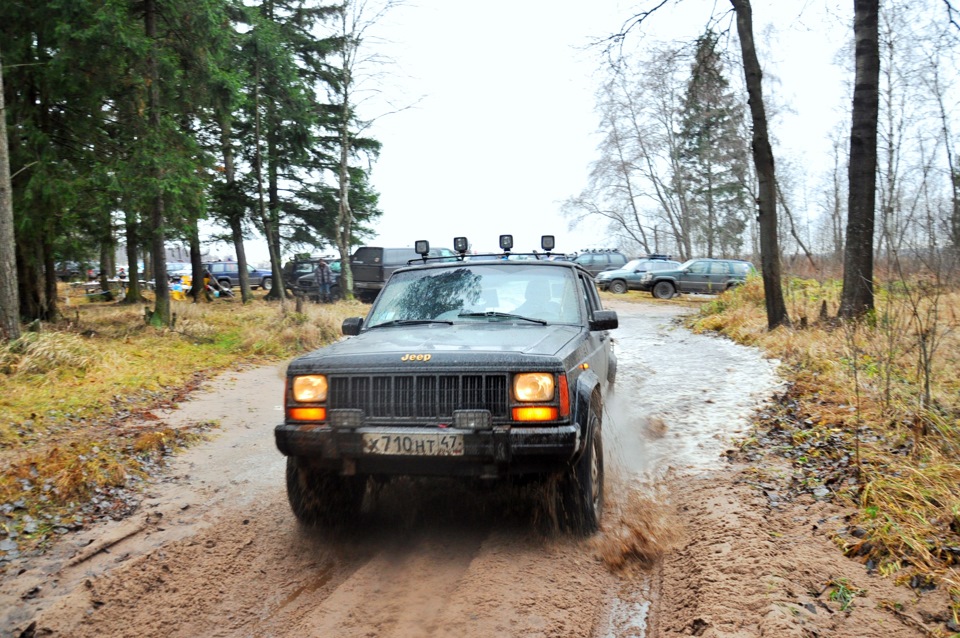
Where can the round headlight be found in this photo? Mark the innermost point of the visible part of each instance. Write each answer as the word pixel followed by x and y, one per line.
pixel 310 388
pixel 534 386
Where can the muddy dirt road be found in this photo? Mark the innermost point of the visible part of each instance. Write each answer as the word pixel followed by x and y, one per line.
pixel 215 551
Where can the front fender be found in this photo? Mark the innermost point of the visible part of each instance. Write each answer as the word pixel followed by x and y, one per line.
pixel 586 386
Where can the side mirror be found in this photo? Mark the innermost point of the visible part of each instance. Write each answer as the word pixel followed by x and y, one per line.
pixel 351 326
pixel 603 320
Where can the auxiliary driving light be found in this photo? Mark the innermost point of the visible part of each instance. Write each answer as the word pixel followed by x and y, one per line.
pixel 472 419
pixel 346 419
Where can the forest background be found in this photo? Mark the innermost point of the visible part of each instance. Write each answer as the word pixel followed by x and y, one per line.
pixel 264 115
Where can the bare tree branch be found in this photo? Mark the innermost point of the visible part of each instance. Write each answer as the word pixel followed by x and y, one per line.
pixel 635 21
pixel 793 227
pixel 953 14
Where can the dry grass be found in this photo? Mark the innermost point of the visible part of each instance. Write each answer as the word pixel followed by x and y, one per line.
pixel 62 387
pixel 861 390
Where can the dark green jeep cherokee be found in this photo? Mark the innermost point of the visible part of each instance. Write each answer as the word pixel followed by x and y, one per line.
pixel 485 368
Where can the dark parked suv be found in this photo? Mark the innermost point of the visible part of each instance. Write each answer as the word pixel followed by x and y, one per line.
pixel 628 278
pixel 596 261
pixel 227 273
pixel 470 368
pixel 306 283
pixel 372 266
pixel 698 276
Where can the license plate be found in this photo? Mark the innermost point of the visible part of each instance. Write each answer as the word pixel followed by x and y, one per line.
pixel 434 444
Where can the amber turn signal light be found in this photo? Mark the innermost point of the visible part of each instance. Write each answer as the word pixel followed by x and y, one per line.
pixel 538 413
pixel 307 414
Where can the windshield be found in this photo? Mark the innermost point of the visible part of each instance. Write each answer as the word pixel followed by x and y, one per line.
pixel 472 293
pixel 633 265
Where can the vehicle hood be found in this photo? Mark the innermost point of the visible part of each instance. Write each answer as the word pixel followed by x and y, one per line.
pixel 610 274
pixel 481 344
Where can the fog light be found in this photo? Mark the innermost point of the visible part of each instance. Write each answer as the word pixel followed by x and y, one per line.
pixel 472 419
pixel 346 419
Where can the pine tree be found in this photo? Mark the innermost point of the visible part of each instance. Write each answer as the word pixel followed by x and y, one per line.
pixel 714 154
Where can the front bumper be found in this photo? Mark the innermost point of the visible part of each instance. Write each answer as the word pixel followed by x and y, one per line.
pixel 501 451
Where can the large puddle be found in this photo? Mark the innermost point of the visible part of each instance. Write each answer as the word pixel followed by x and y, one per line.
pixel 680 400
pixel 680 397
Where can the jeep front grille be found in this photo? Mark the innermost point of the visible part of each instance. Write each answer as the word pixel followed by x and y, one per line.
pixel 408 398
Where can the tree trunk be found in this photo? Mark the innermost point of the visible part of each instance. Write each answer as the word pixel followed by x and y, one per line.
pixel 857 297
pixel 107 249
pixel 344 213
pixel 268 228
pixel 9 299
pixel 133 268
pixel 235 214
pixel 198 291
pixel 763 160
pixel 161 311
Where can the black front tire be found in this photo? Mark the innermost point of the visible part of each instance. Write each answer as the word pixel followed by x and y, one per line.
pixel 266 283
pixel 618 287
pixel 664 290
pixel 322 498
pixel 581 489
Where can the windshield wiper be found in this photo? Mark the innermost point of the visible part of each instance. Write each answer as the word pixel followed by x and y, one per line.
pixel 502 315
pixel 411 322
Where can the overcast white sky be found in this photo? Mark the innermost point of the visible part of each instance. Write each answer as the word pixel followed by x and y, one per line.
pixel 504 127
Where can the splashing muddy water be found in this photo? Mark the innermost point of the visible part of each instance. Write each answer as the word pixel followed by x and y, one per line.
pixel 680 400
